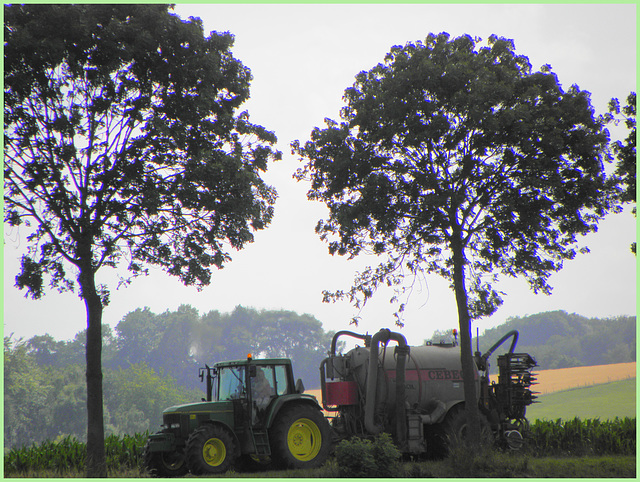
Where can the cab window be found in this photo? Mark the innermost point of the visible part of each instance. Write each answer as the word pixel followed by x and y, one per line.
pixel 231 383
pixel 281 380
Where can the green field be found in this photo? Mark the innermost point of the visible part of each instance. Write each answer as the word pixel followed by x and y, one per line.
pixel 605 401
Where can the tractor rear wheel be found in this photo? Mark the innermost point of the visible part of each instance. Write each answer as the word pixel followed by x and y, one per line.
pixel 300 437
pixel 210 450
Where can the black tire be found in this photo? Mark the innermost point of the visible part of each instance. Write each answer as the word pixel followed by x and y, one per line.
pixel 164 464
pixel 455 428
pixel 210 450
pixel 300 437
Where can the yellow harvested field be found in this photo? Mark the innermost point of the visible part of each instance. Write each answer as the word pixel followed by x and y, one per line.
pixel 565 378
pixel 316 393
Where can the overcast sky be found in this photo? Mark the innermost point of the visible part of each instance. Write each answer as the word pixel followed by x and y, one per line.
pixel 302 58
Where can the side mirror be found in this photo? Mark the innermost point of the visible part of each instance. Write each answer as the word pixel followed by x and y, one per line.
pixel 299 386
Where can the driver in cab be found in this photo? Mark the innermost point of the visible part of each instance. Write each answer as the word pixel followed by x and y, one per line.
pixel 261 389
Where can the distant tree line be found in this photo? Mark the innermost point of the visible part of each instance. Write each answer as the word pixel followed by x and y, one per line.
pixel 48 402
pixel 150 362
pixel 558 339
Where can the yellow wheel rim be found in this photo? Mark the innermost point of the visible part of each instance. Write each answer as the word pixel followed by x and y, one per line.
pixel 304 439
pixel 214 452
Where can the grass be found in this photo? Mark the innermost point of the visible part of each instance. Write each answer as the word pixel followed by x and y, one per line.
pixel 496 465
pixel 75 474
pixel 596 467
pixel 604 401
pixel 488 465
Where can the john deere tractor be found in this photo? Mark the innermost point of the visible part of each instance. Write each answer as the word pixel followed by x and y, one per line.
pixel 253 412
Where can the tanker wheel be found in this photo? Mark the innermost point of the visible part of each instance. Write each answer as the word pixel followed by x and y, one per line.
pixel 164 464
pixel 456 425
pixel 210 450
pixel 300 437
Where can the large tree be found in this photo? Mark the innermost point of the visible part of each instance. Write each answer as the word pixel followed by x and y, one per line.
pixel 124 147
pixel 458 159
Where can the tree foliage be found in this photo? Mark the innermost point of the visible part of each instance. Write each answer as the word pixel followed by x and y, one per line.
pixel 185 340
pixel 458 159
pixel 26 391
pixel 625 150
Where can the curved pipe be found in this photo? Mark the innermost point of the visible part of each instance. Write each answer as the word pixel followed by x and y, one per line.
pixel 334 340
pixel 433 417
pixel 323 384
pixel 326 366
pixel 385 335
pixel 512 333
pixel 372 381
pixel 402 351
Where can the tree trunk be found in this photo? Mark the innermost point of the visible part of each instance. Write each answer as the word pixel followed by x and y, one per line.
pixel 95 461
pixel 466 353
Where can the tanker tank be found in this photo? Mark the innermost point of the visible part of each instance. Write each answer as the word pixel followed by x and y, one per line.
pixel 432 373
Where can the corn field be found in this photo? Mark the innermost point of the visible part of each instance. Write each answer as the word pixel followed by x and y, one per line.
pixel 545 438
pixel 583 437
pixel 68 455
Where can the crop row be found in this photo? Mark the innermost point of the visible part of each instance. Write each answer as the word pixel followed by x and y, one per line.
pixel 571 437
pixel 583 437
pixel 68 455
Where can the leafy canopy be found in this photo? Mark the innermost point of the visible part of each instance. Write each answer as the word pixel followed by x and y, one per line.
pixel 448 145
pixel 122 135
pixel 625 151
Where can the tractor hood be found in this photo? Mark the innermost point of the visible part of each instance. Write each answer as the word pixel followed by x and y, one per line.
pixel 200 407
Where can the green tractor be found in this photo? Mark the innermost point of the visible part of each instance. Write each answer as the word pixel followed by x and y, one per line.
pixel 253 413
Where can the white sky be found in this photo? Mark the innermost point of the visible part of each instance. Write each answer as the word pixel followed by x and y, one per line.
pixel 302 58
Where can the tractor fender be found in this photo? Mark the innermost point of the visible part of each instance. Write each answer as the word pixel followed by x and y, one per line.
pixel 285 400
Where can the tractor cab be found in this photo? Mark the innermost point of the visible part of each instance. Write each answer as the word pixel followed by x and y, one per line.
pixel 251 384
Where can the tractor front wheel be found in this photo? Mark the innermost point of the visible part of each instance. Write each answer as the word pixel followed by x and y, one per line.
pixel 164 464
pixel 210 450
pixel 300 437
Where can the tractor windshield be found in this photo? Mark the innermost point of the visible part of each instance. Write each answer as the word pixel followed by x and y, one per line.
pixel 231 383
